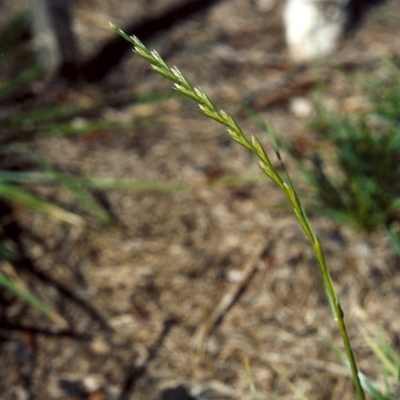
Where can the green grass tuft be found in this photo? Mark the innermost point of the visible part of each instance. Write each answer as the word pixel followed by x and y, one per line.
pixel 357 181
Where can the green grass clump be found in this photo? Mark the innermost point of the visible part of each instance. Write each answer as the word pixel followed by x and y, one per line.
pixel 25 172
pixel 390 365
pixel 282 181
pixel 357 182
pixel 14 194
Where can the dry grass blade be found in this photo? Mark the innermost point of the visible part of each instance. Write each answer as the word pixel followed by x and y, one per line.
pixel 229 299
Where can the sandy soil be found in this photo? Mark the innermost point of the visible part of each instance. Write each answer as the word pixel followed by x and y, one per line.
pixel 142 296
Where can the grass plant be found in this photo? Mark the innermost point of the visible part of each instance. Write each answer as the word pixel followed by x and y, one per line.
pixel 388 387
pixel 10 284
pixel 16 195
pixel 281 180
pixel 16 190
pixel 357 182
pixel 19 125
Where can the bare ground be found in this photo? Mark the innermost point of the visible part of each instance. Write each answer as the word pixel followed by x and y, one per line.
pixel 140 304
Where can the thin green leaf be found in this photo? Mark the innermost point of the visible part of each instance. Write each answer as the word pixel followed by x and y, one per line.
pixel 6 282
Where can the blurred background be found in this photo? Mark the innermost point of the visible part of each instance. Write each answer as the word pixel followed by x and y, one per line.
pixel 127 218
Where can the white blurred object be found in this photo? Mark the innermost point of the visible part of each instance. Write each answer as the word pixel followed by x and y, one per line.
pixel 313 27
pixel 54 38
pixel 301 107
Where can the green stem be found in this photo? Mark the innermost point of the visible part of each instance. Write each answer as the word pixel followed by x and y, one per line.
pixel 328 283
pixel 208 109
pixel 339 317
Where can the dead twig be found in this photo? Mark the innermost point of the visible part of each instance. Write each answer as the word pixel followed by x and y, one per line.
pixel 229 299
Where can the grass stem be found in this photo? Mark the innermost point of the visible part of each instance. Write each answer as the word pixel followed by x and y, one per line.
pixel 234 131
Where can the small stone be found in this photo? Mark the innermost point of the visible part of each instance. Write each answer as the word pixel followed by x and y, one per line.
pixel 301 107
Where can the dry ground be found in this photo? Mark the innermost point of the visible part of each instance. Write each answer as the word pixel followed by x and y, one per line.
pixel 150 286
